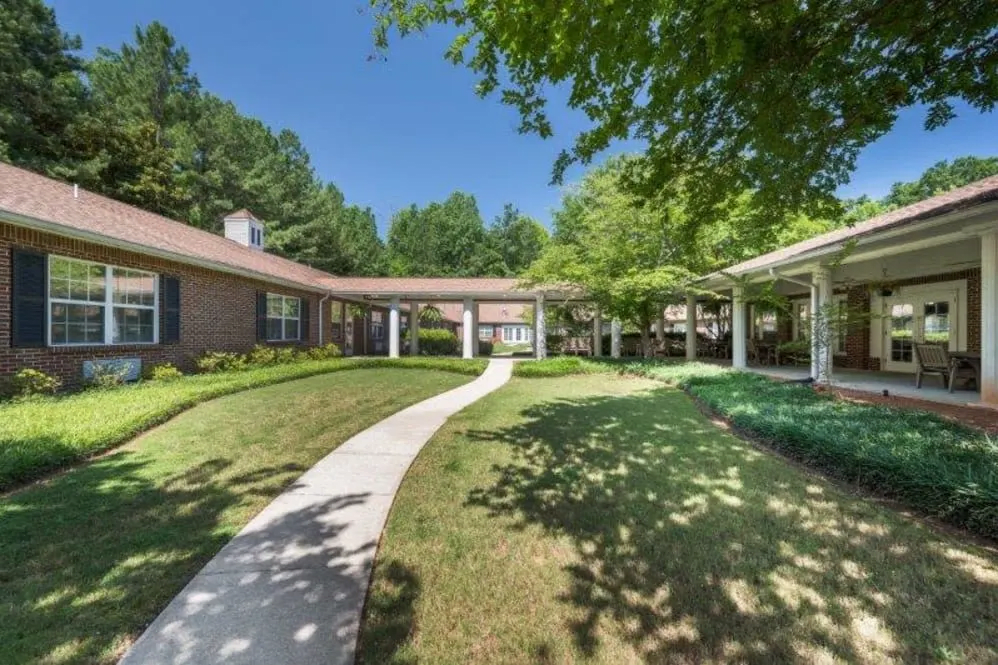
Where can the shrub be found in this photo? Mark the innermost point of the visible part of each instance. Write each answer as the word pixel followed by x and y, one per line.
pixel 262 355
pixel 562 366
pixel 323 352
pixel 286 355
pixel 437 342
pixel 555 343
pixel 220 361
pixel 163 372
pixel 107 375
pixel 30 382
pixel 485 347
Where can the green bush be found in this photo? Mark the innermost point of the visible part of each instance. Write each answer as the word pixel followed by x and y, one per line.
pixel 162 372
pixel 107 375
pixel 285 355
pixel 437 342
pixel 485 347
pixel 262 355
pixel 554 342
pixel 561 366
pixel 323 352
pixel 30 383
pixel 220 361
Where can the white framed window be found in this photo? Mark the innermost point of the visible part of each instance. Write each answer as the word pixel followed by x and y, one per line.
pixel 97 304
pixel 283 318
pixel 377 325
pixel 485 332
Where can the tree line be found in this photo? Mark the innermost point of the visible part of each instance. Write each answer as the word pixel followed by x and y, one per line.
pixel 135 124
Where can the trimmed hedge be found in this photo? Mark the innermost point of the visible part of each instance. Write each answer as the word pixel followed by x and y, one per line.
pixel 41 434
pixel 438 342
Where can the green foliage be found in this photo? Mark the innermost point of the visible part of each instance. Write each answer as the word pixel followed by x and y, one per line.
pixel 554 343
pixel 220 361
pixel 163 372
pixel 938 179
pixel 262 355
pixel 46 433
pixel 324 352
pixel 518 239
pixel 778 99
pixel 108 375
pixel 562 366
pixel 438 342
pixel 485 347
pixel 29 382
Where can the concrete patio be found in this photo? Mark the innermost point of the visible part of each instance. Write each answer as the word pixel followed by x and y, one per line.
pixel 897 384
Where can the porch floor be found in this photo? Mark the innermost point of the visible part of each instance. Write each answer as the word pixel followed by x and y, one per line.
pixel 897 384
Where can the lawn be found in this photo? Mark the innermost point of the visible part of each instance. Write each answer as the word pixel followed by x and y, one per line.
pixel 502 348
pixel 46 433
pixel 603 519
pixel 89 557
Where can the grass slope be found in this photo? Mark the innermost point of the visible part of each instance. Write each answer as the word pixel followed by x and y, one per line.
pixel 90 557
pixel 40 435
pixel 601 519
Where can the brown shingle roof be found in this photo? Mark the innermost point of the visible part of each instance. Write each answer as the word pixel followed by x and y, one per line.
pixel 40 199
pixel 962 197
pixel 488 312
pixel 441 286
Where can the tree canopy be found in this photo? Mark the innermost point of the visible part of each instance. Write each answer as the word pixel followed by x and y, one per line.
pixel 776 98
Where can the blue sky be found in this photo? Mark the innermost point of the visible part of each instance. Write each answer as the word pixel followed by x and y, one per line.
pixel 411 130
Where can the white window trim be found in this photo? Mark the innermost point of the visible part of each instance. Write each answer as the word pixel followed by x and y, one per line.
pixel 108 304
pixel 283 318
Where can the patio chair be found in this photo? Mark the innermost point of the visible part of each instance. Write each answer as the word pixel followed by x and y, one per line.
pixel 935 359
pixel 762 354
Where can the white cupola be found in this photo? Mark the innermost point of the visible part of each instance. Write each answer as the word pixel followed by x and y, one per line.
pixel 242 227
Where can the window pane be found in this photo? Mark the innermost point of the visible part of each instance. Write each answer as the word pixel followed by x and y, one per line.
pixel 290 329
pixel 96 283
pixel 937 322
pixel 275 305
pixel 337 313
pixel 291 307
pixel 275 329
pixel 58 278
pixel 132 325
pixel 77 324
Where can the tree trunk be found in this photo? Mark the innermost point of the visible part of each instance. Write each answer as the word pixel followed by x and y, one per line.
pixel 646 350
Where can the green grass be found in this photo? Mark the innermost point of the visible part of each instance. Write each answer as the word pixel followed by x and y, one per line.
pixel 502 348
pixel 604 520
pixel 930 463
pixel 40 435
pixel 89 557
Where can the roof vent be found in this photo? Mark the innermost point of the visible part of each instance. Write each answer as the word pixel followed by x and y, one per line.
pixel 242 227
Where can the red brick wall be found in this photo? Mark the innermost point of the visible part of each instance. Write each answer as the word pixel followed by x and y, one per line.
pixel 217 310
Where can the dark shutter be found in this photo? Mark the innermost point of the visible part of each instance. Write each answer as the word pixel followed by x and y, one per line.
pixel 170 289
pixel 305 321
pixel 28 298
pixel 261 316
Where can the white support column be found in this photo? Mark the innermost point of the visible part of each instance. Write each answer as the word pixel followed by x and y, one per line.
pixel 414 328
pixel 615 329
pixel 739 335
pixel 476 342
pixel 597 334
pixel 467 332
pixel 691 327
pixel 989 319
pixel 660 325
pixel 821 350
pixel 393 327
pixel 540 330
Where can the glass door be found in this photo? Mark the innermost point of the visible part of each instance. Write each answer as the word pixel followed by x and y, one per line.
pixel 920 318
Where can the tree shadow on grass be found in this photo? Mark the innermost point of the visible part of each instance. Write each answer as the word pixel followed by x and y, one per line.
pixel 691 546
pixel 89 558
pixel 390 615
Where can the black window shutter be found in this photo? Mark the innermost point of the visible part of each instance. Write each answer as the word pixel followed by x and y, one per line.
pixel 170 292
pixel 261 316
pixel 27 309
pixel 305 321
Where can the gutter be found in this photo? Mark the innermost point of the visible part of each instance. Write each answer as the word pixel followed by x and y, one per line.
pixel 108 241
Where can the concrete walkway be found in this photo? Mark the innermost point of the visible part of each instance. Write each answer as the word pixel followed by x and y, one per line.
pixel 290 587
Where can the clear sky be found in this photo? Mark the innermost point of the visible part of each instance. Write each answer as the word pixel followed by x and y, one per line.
pixel 411 130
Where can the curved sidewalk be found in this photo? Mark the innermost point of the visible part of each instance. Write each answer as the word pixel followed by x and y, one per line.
pixel 290 587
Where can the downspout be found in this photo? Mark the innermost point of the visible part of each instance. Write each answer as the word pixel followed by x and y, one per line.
pixel 321 317
pixel 815 360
